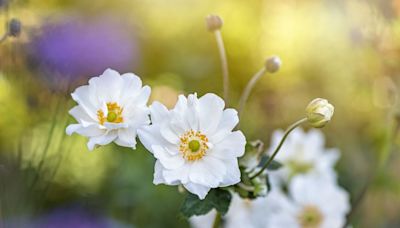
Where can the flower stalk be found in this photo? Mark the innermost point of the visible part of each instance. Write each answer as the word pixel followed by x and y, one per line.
pixel 286 134
pixel 217 220
pixel 214 24
pixel 224 63
pixel 271 65
pixel 249 87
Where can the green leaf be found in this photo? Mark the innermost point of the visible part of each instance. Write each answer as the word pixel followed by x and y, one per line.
pixel 274 165
pixel 217 198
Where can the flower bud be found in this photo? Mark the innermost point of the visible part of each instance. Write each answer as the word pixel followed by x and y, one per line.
pixel 273 64
pixel 14 27
pixel 319 112
pixel 213 22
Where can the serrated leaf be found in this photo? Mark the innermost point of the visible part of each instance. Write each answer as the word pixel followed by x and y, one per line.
pixel 217 198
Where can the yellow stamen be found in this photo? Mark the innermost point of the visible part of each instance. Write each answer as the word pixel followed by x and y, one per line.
pixel 193 145
pixel 114 114
pixel 310 217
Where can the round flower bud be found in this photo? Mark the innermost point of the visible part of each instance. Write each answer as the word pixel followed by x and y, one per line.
pixel 14 27
pixel 273 64
pixel 213 22
pixel 319 112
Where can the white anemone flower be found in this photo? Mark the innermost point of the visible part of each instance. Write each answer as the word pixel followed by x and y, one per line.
pixel 312 202
pixel 194 144
pixel 111 108
pixel 242 213
pixel 303 153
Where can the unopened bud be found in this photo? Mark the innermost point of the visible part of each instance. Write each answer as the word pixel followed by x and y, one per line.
pixel 273 64
pixel 319 112
pixel 14 27
pixel 213 22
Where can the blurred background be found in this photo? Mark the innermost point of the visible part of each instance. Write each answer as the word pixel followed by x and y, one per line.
pixel 345 51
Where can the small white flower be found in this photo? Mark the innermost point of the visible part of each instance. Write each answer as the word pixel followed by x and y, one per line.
pixel 194 143
pixel 111 108
pixel 312 202
pixel 303 153
pixel 319 112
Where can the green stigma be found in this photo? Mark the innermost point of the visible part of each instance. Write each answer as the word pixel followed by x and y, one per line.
pixel 111 116
pixel 194 145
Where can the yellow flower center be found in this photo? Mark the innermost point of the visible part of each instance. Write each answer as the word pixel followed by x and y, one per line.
pixel 310 217
pixel 193 145
pixel 114 114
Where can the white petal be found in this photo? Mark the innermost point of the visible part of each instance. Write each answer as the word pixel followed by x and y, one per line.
pixel 101 140
pixel 232 175
pixel 115 126
pixel 88 131
pixel 80 114
pixel 210 112
pixel 230 147
pixel 85 100
pixel 208 171
pixel 177 176
pixel 108 86
pixel 167 160
pixel 158 176
pixel 144 95
pixel 170 133
pixel 228 121
pixel 132 84
pixel 199 190
pixel 158 112
pixel 126 137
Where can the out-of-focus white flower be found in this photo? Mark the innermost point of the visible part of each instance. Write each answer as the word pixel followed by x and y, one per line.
pixel 194 143
pixel 111 108
pixel 319 112
pixel 312 202
pixel 242 213
pixel 303 153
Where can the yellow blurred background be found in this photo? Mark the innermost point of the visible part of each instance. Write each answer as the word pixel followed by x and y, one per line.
pixel 345 51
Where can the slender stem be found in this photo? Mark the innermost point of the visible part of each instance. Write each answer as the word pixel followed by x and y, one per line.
pixel 224 64
pixel 249 87
pixel 287 132
pixel 217 220
pixel 48 142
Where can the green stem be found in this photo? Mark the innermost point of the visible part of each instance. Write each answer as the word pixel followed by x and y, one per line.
pixel 249 87
pixel 224 64
pixel 287 132
pixel 217 220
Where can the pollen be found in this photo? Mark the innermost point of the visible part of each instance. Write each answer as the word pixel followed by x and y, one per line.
pixel 114 114
pixel 193 145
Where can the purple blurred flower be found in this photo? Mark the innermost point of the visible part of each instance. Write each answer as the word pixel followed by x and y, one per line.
pixel 79 47
pixel 75 217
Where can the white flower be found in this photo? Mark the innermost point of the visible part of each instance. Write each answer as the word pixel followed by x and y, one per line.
pixel 111 108
pixel 319 112
pixel 312 202
pixel 194 143
pixel 242 213
pixel 303 153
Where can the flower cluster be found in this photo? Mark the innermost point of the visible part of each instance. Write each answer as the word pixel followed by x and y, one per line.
pixel 193 143
pixel 196 147
pixel 304 192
